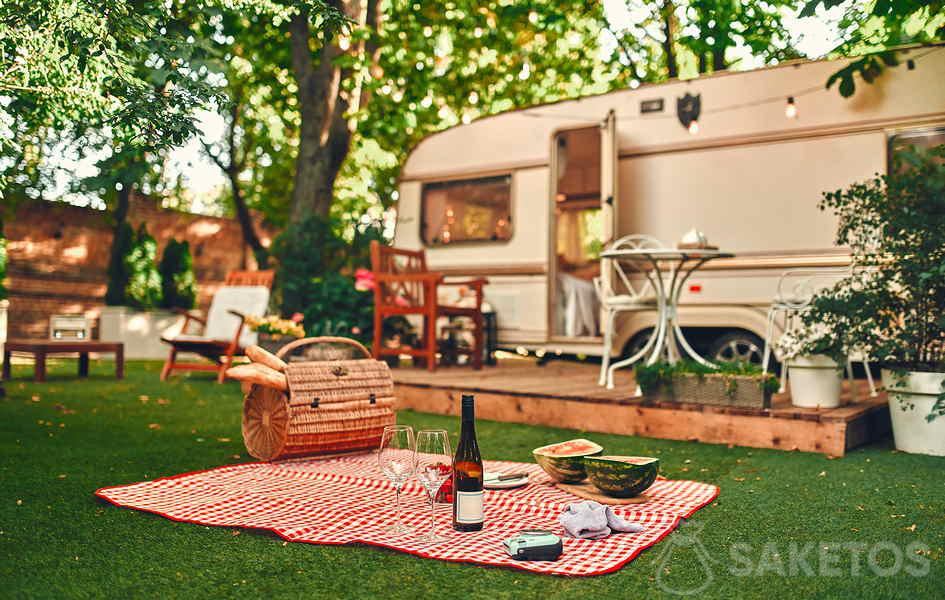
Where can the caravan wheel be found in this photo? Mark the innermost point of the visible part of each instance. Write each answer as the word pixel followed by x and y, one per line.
pixel 737 346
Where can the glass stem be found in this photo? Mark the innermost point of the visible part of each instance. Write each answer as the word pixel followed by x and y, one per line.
pixel 432 514
pixel 397 504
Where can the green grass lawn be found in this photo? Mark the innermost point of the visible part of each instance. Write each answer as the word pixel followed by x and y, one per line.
pixel 62 440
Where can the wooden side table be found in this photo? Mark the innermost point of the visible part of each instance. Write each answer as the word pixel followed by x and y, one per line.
pixel 40 349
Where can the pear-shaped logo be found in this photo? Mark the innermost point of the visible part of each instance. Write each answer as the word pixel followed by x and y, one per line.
pixel 687 536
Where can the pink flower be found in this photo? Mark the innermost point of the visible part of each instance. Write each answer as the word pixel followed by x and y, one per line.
pixel 356 330
pixel 363 280
pixel 298 317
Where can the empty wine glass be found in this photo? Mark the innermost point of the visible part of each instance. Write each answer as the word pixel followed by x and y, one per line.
pixel 433 465
pixel 396 461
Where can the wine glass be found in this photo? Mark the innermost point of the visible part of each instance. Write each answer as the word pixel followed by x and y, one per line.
pixel 395 459
pixel 433 465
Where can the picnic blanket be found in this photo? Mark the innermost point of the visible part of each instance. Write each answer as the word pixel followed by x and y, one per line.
pixel 347 500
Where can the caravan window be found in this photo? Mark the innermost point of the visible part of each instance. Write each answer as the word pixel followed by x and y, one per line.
pixel 467 210
pixel 923 138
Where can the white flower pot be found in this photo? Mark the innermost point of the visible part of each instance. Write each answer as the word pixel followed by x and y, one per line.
pixel 815 381
pixel 140 331
pixel 911 398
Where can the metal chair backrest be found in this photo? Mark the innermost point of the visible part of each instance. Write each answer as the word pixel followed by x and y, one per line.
pixel 798 287
pixel 605 283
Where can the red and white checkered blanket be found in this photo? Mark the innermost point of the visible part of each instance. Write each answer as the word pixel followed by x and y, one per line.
pixel 347 500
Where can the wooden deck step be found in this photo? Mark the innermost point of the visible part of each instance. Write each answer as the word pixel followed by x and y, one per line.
pixel 566 394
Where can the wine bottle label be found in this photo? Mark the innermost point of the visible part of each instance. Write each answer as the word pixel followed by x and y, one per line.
pixel 468 507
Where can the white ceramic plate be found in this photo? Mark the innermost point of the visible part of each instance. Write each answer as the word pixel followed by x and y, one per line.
pixel 502 485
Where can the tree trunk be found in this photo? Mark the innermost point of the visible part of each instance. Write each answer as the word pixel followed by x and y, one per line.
pixel 260 252
pixel 324 135
pixel 703 65
pixel 718 59
pixel 669 33
pixel 322 144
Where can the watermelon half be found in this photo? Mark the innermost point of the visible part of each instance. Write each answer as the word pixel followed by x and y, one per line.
pixel 622 476
pixel 564 461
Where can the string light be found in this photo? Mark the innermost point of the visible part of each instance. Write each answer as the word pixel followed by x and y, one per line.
pixel 694 126
pixel 790 110
pixel 817 89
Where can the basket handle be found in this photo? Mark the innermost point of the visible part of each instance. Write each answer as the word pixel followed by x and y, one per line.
pixel 283 351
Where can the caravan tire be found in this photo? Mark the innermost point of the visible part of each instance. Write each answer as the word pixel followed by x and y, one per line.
pixel 737 346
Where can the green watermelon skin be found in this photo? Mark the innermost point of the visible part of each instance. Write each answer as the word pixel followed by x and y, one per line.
pixel 569 468
pixel 617 477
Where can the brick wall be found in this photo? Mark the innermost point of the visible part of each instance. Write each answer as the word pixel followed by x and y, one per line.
pixel 58 257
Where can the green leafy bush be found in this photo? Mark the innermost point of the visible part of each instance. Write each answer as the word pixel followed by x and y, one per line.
pixel 144 282
pixel 893 303
pixel 178 285
pixel 317 260
pixel 118 274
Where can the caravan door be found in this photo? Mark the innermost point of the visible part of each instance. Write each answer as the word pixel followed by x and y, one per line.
pixel 584 220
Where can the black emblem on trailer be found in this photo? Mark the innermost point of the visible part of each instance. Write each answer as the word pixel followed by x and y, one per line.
pixel 688 108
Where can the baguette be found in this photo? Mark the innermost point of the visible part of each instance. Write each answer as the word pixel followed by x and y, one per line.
pixel 260 375
pixel 264 357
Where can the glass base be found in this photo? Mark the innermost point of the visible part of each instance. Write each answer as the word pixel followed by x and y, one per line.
pixel 431 538
pixel 398 529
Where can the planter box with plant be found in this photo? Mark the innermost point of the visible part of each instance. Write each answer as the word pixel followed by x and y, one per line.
pixel 275 332
pixel 893 303
pixel 731 384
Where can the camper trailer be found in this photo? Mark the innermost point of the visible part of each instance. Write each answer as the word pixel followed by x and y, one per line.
pixel 529 198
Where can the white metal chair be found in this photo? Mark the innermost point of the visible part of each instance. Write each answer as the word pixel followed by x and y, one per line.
pixel 625 296
pixel 796 291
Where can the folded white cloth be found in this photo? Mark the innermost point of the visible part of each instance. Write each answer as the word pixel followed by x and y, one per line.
pixel 592 521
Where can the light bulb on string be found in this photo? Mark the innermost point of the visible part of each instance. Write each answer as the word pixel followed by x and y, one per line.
pixel 694 127
pixel 790 109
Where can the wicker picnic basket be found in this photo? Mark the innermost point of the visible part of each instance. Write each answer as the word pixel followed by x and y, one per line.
pixel 332 407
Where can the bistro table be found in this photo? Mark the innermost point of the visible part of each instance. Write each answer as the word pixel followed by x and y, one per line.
pixel 667 270
pixel 40 349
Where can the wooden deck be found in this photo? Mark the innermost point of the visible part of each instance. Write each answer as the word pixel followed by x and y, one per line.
pixel 566 394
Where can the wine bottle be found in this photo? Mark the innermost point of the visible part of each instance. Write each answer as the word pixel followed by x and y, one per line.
pixel 467 473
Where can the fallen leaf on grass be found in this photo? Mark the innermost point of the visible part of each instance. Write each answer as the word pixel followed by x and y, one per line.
pixel 154 426
pixel 35 398
pixel 19 503
pixel 224 440
pixel 739 478
pixel 909 528
pixel 822 474
pixel 235 532
pixel 61 476
pixel 143 399
pixel 163 401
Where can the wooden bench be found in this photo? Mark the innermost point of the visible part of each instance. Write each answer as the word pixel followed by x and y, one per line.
pixel 40 349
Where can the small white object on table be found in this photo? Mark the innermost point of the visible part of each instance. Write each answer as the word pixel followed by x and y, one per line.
pixel 670 270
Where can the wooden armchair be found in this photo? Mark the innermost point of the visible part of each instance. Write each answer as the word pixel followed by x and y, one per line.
pixel 404 286
pixel 224 333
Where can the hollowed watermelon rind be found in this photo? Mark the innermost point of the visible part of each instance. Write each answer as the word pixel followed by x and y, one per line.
pixel 617 477
pixel 566 468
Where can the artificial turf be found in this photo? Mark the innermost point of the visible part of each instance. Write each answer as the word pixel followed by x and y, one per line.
pixel 785 524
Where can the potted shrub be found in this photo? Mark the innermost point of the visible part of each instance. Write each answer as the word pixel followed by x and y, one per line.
pixel 731 384
pixel 894 300
pixel 815 356
pixel 274 331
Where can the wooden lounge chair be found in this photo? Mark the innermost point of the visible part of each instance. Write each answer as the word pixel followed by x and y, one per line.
pixel 404 286
pixel 224 335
